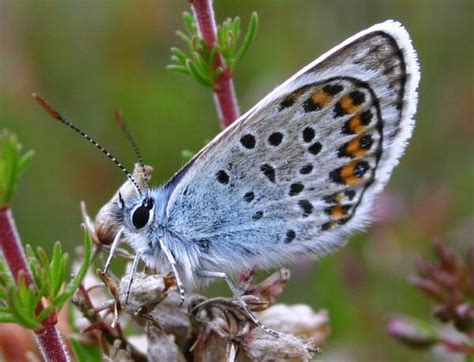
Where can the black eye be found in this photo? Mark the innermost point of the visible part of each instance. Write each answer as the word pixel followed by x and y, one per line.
pixel 141 215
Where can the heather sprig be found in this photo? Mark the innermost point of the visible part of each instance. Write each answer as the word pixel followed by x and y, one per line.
pixel 200 60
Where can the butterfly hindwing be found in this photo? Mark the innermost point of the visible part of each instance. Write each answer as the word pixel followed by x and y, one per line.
pixel 299 171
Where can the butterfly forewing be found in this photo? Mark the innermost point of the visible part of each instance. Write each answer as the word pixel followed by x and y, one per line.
pixel 298 172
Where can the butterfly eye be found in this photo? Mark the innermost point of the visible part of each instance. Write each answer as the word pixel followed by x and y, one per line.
pixel 142 214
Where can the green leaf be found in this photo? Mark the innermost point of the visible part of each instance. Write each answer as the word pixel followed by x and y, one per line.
pixel 236 27
pixel 25 161
pixel 197 73
pixel 56 270
pixel 200 61
pixel 65 266
pixel 5 276
pixel 72 286
pixel 213 54
pixel 179 54
pixel 4 309
pixel 249 37
pixel 183 37
pixel 42 258
pixel 22 301
pixel 178 68
pixel 85 352
pixel 45 313
pixel 7 318
pixel 12 162
pixel 189 23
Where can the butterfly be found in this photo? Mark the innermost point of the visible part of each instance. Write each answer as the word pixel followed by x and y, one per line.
pixel 292 178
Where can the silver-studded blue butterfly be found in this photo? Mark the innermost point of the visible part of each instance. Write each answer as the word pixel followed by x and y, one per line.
pixel 290 179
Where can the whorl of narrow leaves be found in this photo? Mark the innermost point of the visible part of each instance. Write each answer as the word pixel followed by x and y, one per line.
pixel 18 302
pixel 13 162
pixel 199 61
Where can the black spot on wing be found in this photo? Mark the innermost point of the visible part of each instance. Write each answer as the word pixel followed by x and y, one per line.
pixel 350 194
pixel 333 89
pixel 249 196
pixel 288 102
pixel 366 142
pixel 308 134
pixel 222 177
pixel 248 141
pixel 338 110
pixel 335 175
pixel 306 169
pixel 361 168
pixel 357 97
pixel 275 138
pixel 366 117
pixel 268 171
pixel 342 151
pixel 290 236
pixel 315 148
pixel 306 206
pixel 310 105
pixel 257 216
pixel 296 188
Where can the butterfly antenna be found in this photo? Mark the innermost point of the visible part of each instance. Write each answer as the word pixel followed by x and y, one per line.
pixel 56 115
pixel 122 125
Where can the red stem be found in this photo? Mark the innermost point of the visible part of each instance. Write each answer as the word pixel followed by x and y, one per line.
pixel 457 347
pixel 50 344
pixel 224 92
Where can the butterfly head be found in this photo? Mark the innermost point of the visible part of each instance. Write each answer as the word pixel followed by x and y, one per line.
pixel 139 214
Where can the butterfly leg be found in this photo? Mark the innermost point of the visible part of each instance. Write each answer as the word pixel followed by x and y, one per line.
pixel 114 246
pixel 172 262
pixel 237 295
pixel 133 271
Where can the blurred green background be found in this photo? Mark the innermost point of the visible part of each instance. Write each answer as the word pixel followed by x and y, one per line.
pixel 90 57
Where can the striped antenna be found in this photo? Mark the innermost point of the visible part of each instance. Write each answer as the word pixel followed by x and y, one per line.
pixel 56 115
pixel 122 125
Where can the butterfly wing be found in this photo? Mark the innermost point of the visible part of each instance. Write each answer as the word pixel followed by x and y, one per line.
pixel 297 174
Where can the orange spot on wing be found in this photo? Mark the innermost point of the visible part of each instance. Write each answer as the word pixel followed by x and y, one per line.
pixel 348 106
pixel 337 212
pixel 354 148
pixel 356 125
pixel 353 180
pixel 321 97
pixel 348 170
pixel 348 176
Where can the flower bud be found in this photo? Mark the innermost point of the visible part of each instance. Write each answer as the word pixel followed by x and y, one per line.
pixel 412 332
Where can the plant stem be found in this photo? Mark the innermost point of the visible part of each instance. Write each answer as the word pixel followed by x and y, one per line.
pixel 49 341
pixel 457 347
pixel 224 92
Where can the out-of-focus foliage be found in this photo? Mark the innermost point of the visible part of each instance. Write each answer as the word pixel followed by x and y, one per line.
pixel 88 58
pixel 200 63
pixel 448 281
pixel 13 162
pixel 19 301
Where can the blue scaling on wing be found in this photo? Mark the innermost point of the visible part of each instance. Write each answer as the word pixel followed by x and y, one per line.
pixel 297 174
